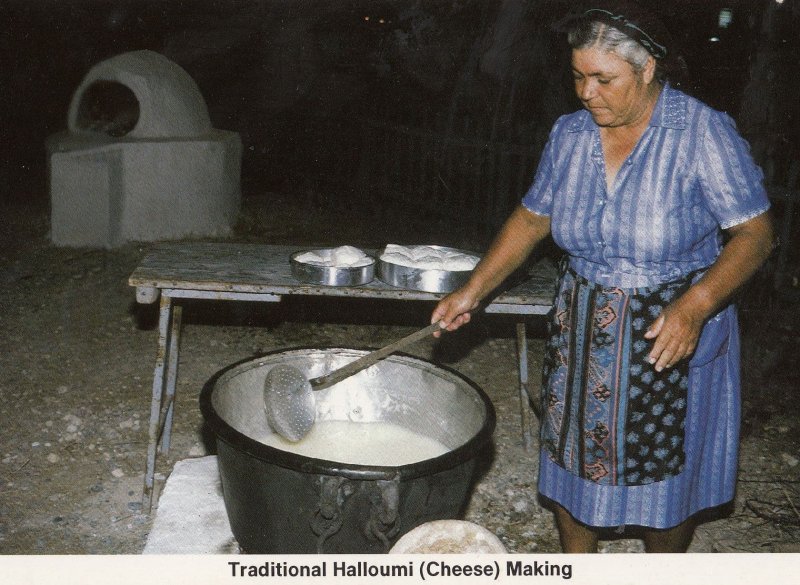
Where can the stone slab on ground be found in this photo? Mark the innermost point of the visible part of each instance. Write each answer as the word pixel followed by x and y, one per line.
pixel 191 517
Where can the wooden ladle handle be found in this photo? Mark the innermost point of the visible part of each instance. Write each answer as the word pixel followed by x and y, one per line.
pixel 366 361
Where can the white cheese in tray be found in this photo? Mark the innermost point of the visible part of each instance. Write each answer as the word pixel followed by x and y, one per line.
pixel 341 257
pixel 429 258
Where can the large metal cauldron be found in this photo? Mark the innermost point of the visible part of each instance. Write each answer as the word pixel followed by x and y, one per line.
pixel 282 502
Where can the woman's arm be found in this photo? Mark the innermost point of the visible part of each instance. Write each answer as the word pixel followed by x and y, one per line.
pixel 517 238
pixel 678 328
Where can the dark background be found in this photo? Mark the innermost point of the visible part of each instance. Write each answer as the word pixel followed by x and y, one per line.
pixel 298 78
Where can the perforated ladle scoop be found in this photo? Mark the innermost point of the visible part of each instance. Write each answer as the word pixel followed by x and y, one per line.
pixel 289 396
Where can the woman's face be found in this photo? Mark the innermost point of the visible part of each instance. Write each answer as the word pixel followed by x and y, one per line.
pixel 608 86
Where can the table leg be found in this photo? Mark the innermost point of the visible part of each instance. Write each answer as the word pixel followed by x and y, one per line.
pixel 164 343
pixel 779 278
pixel 526 403
pixel 172 376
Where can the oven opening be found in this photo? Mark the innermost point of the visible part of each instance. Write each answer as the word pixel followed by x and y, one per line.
pixel 108 107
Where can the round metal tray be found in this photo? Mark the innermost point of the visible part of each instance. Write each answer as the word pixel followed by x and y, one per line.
pixel 424 279
pixel 331 275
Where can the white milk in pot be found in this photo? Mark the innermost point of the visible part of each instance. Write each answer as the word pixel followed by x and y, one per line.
pixel 361 443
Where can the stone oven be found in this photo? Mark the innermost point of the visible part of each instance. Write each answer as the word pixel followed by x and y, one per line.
pixel 139 160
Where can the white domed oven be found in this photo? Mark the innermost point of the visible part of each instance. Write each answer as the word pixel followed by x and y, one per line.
pixel 139 160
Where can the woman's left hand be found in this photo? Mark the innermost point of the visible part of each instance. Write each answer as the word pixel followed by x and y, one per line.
pixel 676 331
pixel 678 328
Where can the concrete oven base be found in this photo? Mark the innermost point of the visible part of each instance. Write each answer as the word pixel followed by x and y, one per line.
pixel 105 193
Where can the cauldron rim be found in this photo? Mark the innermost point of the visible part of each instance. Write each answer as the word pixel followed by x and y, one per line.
pixel 302 463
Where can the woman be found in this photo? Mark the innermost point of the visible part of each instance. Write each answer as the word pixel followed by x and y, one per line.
pixel 641 380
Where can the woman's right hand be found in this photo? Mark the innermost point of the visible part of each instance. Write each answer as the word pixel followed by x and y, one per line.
pixel 453 311
pixel 519 235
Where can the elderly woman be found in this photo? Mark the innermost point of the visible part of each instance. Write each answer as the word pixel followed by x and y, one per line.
pixel 640 400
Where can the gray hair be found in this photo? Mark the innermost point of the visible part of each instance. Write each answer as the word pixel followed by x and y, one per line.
pixel 609 39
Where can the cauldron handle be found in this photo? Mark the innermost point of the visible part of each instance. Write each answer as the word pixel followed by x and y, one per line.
pixel 327 520
pixel 382 522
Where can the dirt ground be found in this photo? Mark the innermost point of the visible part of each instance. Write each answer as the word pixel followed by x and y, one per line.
pixel 77 356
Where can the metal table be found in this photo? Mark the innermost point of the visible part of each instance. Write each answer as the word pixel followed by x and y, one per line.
pixel 262 273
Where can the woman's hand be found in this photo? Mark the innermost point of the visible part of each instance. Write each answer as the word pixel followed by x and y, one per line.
pixel 453 311
pixel 676 331
pixel 519 235
pixel 678 328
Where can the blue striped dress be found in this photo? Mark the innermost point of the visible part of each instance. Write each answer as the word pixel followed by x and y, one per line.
pixel 689 177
